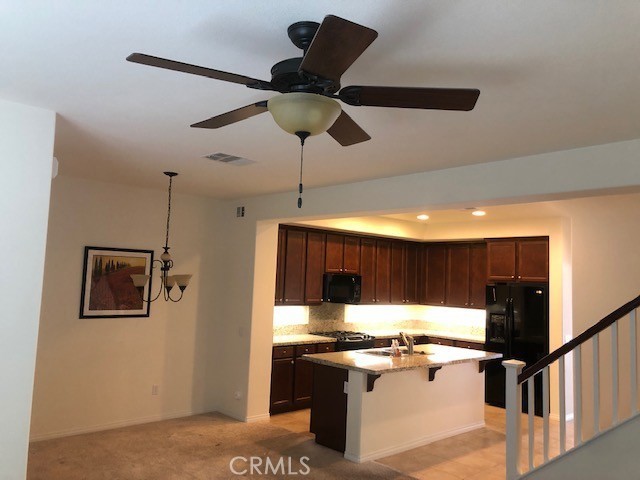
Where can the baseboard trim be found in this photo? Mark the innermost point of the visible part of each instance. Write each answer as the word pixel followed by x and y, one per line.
pixel 111 425
pixel 257 418
pixel 412 444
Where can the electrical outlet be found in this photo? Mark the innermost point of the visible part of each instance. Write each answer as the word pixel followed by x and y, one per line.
pixel 237 395
pixel 155 389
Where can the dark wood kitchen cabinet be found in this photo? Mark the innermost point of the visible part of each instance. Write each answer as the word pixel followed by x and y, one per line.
pixel 411 276
pixel 314 268
pixel 466 275
pixel 404 272
pixel 292 377
pixel 477 275
pixel 435 265
pixel 303 377
pixel 518 259
pixel 342 254
pixel 375 270
pixel 533 260
pixel 368 271
pixel 282 376
pixel 457 277
pixel 397 273
pixel 294 267
pixel 383 272
pixel 282 251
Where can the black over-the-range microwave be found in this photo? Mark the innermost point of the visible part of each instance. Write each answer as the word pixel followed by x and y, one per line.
pixel 341 288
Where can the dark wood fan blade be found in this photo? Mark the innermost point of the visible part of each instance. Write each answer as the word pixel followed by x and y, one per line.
pixel 196 70
pixel 334 48
pixel 233 116
pixel 347 132
pixel 400 97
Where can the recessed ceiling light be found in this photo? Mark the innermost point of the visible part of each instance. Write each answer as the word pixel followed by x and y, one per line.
pixel 423 217
pixel 479 213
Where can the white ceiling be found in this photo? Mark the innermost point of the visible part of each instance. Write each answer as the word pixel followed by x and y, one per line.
pixel 553 75
pixel 522 211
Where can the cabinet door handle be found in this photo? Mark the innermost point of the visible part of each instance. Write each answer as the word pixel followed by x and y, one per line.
pixel 519 276
pixel 512 276
pixel 291 362
pixel 441 301
pixel 472 303
pixel 466 303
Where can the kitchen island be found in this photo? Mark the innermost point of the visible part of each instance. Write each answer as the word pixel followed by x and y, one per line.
pixel 369 405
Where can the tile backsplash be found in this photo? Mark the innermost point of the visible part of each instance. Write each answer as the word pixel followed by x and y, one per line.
pixel 289 320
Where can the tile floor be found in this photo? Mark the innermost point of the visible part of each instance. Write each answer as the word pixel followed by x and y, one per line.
pixel 201 447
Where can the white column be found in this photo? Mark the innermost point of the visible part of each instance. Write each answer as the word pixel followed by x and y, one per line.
pixel 513 394
pixel 26 156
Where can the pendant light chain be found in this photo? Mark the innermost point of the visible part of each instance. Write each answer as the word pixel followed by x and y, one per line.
pixel 302 136
pixel 300 184
pixel 166 242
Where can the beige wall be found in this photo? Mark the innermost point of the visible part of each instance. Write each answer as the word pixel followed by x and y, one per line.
pixel 26 153
pixel 97 373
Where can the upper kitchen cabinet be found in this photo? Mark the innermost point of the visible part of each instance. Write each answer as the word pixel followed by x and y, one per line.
pixel 457 277
pixel 294 267
pixel 368 270
pixel 501 260
pixel 518 260
pixel 435 270
pixel 342 254
pixel 397 272
pixel 383 272
pixel 404 272
pixel 533 260
pixel 411 275
pixel 375 270
pixel 315 268
pixel 477 275
pixel 282 251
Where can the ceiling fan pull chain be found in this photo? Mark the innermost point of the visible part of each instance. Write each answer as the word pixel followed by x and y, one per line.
pixel 302 136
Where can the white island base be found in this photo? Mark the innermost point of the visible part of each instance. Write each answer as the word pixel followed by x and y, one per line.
pixel 405 410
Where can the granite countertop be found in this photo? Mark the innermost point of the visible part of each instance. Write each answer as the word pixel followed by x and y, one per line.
pixel 418 332
pixel 436 356
pixel 282 340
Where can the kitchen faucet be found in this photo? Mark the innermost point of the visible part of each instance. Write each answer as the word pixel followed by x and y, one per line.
pixel 408 341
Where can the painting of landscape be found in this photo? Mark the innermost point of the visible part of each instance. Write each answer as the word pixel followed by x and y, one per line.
pixel 108 289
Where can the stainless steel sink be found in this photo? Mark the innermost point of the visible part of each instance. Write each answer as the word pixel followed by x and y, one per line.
pixel 386 352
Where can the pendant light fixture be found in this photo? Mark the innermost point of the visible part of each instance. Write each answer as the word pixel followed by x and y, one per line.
pixel 167 282
pixel 303 114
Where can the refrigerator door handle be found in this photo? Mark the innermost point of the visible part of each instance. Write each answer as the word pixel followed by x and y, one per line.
pixel 509 327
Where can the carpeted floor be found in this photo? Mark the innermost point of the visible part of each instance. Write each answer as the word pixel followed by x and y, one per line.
pixel 198 447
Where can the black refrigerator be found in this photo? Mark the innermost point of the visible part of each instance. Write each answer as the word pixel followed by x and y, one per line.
pixel 518 327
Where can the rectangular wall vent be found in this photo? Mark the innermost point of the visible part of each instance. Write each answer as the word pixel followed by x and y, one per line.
pixel 229 159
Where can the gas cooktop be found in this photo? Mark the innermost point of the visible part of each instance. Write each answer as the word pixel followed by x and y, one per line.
pixel 346 335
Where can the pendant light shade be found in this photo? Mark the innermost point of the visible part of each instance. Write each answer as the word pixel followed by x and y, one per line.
pixel 304 112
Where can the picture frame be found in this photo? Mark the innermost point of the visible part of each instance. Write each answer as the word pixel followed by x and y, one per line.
pixel 107 288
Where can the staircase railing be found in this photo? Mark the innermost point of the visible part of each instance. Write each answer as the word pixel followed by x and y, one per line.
pixel 516 378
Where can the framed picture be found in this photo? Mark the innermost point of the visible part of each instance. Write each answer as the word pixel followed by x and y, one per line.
pixel 107 288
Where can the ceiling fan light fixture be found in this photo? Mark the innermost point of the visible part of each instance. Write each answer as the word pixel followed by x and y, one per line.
pixel 304 112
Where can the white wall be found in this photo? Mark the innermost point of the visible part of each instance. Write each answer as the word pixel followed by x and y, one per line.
pixel 572 173
pixel 613 455
pixel 97 373
pixel 26 152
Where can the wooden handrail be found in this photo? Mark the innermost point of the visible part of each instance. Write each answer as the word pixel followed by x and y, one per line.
pixel 583 337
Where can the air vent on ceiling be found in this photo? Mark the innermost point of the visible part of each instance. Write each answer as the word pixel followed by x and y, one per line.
pixel 229 159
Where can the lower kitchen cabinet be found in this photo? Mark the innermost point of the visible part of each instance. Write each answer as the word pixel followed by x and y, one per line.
pixel 303 377
pixel 292 377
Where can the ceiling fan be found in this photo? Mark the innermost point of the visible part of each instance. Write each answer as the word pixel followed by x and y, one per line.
pixel 311 84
